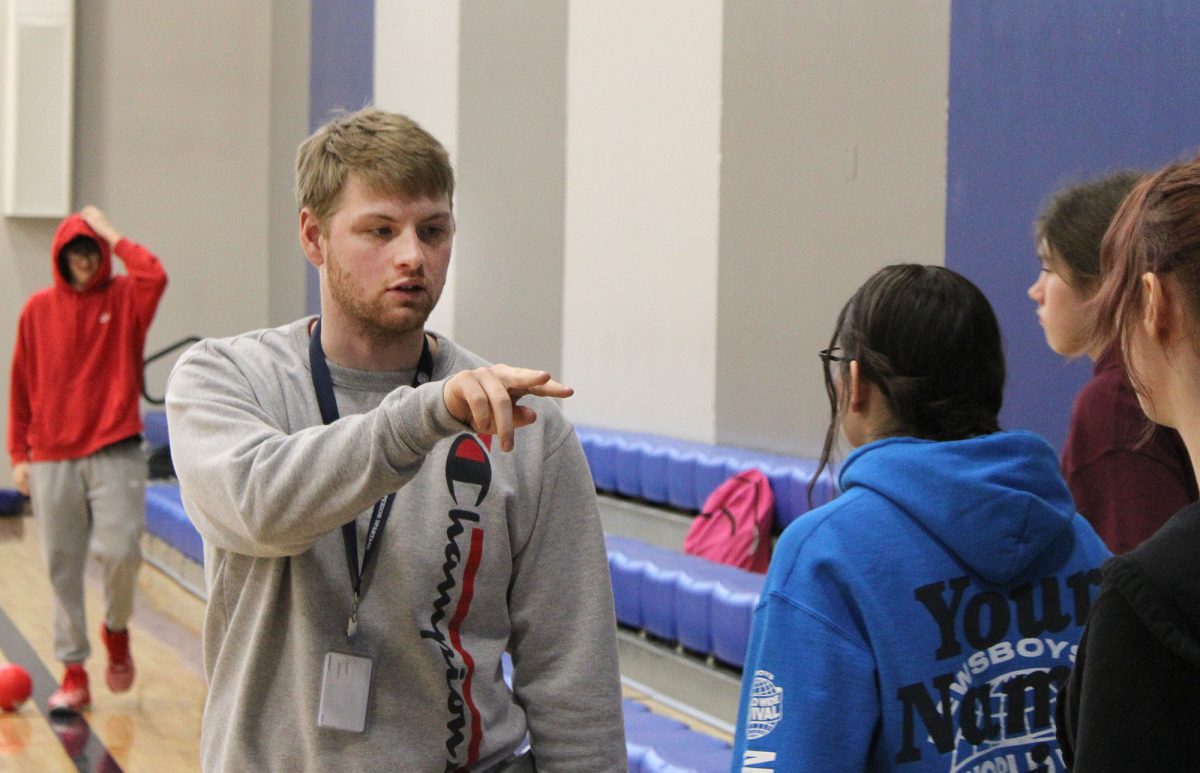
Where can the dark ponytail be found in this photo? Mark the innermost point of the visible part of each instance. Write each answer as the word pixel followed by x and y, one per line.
pixel 929 340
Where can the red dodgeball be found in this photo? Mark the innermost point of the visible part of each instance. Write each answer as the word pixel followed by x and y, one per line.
pixel 15 686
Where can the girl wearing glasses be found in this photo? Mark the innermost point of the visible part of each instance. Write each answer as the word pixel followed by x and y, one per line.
pixel 925 618
pixel 1127 476
pixel 1133 700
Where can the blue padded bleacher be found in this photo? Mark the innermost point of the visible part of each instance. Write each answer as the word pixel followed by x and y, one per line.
pixel 11 501
pixel 154 429
pixel 628 560
pixel 658 744
pixel 682 473
pixel 166 519
pixel 733 601
pixel 661 470
pixel 704 606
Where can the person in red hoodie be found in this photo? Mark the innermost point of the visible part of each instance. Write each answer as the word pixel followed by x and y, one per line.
pixel 74 431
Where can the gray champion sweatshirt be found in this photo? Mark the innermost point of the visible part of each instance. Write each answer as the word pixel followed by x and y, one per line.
pixel 485 551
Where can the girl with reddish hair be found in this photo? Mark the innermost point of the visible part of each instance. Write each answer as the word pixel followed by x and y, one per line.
pixel 1133 698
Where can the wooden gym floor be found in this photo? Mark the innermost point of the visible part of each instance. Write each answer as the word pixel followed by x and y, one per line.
pixel 153 727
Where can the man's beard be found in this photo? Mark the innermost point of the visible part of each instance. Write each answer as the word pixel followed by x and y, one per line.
pixel 374 317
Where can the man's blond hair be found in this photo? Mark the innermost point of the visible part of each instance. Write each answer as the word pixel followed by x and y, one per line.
pixel 389 152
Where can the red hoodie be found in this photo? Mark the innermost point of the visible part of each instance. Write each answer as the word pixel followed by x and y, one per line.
pixel 77 367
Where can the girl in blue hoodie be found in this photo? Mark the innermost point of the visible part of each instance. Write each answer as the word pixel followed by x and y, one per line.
pixel 926 618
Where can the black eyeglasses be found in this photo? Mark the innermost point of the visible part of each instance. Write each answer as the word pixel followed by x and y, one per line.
pixel 832 355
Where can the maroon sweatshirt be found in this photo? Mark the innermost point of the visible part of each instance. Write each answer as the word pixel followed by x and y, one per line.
pixel 77 365
pixel 1124 487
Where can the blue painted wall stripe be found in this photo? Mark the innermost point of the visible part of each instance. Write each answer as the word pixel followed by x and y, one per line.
pixel 342 74
pixel 1045 94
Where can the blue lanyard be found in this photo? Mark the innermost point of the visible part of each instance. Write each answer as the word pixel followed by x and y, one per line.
pixel 323 385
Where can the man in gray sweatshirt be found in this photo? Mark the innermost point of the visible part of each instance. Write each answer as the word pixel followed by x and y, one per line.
pixel 382 520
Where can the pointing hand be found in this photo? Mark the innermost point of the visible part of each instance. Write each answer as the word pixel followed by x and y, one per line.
pixel 485 399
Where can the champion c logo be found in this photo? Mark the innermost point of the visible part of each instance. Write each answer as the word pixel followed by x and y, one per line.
pixel 468 465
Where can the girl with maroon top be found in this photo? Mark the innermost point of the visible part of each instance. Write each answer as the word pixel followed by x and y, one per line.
pixel 1127 476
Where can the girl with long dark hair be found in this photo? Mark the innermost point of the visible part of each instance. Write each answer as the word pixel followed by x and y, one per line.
pixel 925 618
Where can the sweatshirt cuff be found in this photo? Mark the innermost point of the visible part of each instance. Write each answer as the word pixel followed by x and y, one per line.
pixel 420 419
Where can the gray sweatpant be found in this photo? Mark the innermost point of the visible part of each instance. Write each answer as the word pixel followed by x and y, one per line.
pixel 101 497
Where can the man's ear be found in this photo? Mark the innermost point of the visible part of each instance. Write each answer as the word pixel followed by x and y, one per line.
pixel 311 237
pixel 860 389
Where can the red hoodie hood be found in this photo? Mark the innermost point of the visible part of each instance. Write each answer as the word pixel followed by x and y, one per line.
pixel 68 229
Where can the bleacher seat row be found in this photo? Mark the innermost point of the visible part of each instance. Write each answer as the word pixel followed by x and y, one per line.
pixel 659 744
pixel 166 519
pixel 154 429
pixel 662 470
pixel 682 473
pixel 703 606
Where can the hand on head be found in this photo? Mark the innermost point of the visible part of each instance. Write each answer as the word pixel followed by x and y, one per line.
pixel 485 399
pixel 100 224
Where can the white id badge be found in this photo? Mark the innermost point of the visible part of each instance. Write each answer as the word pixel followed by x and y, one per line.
pixel 345 687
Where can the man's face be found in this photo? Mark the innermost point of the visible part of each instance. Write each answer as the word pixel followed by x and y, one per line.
pixel 386 258
pixel 81 266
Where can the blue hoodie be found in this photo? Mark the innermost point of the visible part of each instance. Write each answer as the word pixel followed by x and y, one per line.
pixel 925 619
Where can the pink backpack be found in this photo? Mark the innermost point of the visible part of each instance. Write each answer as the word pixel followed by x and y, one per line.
pixel 735 526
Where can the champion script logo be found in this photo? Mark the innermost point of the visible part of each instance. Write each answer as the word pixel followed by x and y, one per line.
pixel 468 476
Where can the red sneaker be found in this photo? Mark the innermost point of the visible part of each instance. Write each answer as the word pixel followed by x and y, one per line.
pixel 73 696
pixel 119 675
